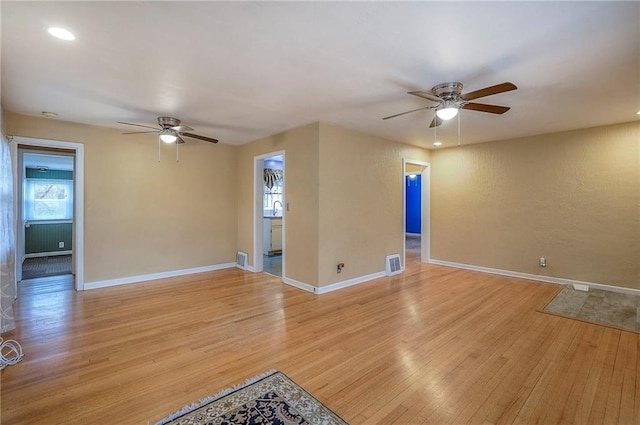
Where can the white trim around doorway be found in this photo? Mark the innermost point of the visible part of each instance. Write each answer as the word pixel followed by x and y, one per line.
pixel 258 211
pixel 78 214
pixel 425 210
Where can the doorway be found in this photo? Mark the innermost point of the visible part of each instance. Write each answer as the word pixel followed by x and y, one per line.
pixel 269 214
pixel 273 210
pixel 49 215
pixel 416 224
pixel 46 205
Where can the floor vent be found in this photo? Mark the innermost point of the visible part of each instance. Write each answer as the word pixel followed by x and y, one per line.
pixel 241 260
pixel 393 265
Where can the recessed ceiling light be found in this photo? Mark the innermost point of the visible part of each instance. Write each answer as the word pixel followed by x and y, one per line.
pixel 436 144
pixel 61 33
pixel 49 114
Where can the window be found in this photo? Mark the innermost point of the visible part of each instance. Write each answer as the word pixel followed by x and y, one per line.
pixel 273 180
pixel 48 199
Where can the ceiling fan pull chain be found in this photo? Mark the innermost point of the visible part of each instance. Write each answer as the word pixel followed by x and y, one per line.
pixel 435 127
pixel 158 149
pixel 177 152
pixel 459 128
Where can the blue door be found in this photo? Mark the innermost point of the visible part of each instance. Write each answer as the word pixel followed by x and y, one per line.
pixel 413 191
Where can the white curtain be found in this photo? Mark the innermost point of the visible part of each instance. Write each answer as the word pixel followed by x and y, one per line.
pixel 7 241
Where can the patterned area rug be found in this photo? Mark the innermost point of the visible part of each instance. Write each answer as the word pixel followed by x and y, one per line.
pixel 269 399
pixel 613 309
pixel 46 266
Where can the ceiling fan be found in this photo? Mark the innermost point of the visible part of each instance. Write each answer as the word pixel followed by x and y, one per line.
pixel 450 99
pixel 170 131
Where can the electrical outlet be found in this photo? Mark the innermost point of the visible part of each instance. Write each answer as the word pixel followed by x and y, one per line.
pixel 542 262
pixel 340 266
pixel 60 244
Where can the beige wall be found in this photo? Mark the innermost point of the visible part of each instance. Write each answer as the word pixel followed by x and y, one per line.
pixel 143 216
pixel 412 168
pixel 361 196
pixel 572 197
pixel 345 192
pixel 301 192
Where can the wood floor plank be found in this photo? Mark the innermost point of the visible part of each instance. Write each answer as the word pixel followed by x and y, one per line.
pixel 627 396
pixel 433 345
pixel 605 384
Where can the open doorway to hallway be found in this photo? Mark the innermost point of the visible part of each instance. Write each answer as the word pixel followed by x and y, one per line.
pixel 417 214
pixel 46 217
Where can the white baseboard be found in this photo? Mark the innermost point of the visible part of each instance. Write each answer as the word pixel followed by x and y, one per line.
pixel 48 254
pixel 333 286
pixel 540 278
pixel 300 285
pixel 154 276
pixel 350 282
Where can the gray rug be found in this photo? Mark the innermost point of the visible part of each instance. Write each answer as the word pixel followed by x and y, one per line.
pixel 606 308
pixel 412 242
pixel 46 266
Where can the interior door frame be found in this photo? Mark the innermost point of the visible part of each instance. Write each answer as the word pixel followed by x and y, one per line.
pixel 258 210
pixel 78 197
pixel 425 210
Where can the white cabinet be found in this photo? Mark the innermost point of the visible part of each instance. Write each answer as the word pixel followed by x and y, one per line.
pixel 272 240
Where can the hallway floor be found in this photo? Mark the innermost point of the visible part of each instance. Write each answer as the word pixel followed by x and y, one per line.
pixel 272 265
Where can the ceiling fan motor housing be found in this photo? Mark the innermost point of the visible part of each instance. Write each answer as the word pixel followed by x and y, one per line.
pixel 168 122
pixel 448 91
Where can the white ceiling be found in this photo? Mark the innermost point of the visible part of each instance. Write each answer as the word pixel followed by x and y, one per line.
pixel 238 71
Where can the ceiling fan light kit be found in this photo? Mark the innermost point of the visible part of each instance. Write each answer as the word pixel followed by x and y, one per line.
pixel 447 111
pixel 168 136
pixel 450 100
pixel 169 131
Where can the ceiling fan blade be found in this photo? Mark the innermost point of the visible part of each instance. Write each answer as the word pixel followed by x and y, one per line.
pixel 138 125
pixel 436 122
pixel 483 107
pixel 425 95
pixel 488 91
pixel 195 136
pixel 408 112
pixel 181 128
pixel 140 132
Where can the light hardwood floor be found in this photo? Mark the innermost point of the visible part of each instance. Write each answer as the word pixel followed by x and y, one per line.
pixel 434 345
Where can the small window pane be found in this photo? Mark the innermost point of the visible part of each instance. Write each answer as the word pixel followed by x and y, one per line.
pixel 48 200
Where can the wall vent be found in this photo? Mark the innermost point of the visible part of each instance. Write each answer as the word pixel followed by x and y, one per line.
pixel 392 265
pixel 241 260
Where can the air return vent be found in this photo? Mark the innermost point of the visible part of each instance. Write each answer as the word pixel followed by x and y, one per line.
pixel 393 265
pixel 241 260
